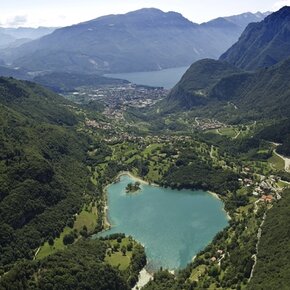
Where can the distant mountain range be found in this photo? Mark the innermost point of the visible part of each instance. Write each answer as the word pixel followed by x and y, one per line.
pixel 143 40
pixel 262 44
pixel 260 93
pixel 13 37
pixel 5 39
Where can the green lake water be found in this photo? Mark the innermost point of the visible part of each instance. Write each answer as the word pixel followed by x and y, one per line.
pixel 166 78
pixel 172 225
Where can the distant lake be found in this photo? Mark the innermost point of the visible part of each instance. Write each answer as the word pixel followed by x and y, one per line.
pixel 166 78
pixel 172 225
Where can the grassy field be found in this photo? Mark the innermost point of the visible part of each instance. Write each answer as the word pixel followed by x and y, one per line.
pixel 87 217
pixel 282 184
pixel 150 148
pixel 197 272
pixel 117 259
pixel 229 132
pixel 47 250
pixel 277 162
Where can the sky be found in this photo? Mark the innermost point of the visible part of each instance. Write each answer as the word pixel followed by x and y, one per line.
pixel 56 13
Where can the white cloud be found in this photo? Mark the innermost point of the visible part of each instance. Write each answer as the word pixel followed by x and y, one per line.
pixel 67 12
pixel 16 21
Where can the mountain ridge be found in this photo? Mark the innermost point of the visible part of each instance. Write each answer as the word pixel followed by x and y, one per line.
pixel 262 44
pixel 142 40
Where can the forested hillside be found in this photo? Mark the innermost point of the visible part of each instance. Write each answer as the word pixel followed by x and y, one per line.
pixel 195 85
pixel 48 200
pixel 81 266
pixel 43 175
pixel 261 94
pixel 279 133
pixel 272 270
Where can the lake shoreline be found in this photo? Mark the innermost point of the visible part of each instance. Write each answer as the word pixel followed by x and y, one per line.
pixel 108 225
pixel 106 220
pixel 165 78
pixel 219 198
pixel 136 178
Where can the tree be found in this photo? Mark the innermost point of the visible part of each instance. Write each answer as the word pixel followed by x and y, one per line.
pixel 214 271
pixel 123 250
pixel 51 241
pixel 129 246
pixel 68 239
pixel 116 247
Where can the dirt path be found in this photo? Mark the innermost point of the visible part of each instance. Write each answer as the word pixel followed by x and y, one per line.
pixel 238 134
pixel 257 246
pixel 211 152
pixel 35 255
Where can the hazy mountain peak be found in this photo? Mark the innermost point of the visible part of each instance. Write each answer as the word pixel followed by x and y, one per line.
pixel 144 16
pixel 142 40
pixel 240 20
pixel 145 11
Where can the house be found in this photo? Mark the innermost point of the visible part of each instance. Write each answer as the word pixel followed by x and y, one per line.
pixel 267 198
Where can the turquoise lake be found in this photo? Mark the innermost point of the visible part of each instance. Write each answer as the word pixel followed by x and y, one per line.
pixel 166 78
pixel 172 225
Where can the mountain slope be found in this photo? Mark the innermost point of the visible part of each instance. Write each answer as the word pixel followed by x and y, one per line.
pixel 42 170
pixel 14 73
pixel 262 44
pixel 80 266
pixel 272 270
pixel 5 39
pixel 264 93
pixel 196 84
pixel 147 39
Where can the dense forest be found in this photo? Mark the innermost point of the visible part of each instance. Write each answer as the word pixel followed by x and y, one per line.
pixel 43 174
pixel 279 133
pixel 45 183
pixel 80 266
pixel 212 89
pixel 201 176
